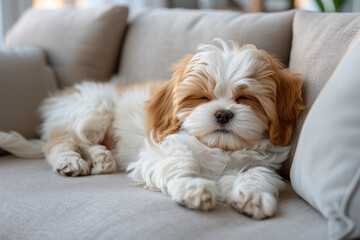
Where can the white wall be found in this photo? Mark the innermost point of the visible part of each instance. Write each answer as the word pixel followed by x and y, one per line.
pixel 134 5
pixel 10 11
pixel 356 6
pixel 349 5
pixel 1 28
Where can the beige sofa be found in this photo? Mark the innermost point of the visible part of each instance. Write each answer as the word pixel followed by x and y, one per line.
pixel 48 50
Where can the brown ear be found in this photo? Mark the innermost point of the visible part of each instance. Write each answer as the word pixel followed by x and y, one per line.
pixel 160 109
pixel 289 103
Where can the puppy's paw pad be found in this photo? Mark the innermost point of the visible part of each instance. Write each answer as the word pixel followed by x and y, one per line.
pixel 102 162
pixel 255 204
pixel 71 166
pixel 197 195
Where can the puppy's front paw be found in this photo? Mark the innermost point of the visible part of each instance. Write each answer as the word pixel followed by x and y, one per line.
pixel 71 166
pixel 194 193
pixel 102 161
pixel 254 204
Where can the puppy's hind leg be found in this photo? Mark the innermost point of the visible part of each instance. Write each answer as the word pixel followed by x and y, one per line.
pixel 63 154
pixel 102 160
pixel 73 123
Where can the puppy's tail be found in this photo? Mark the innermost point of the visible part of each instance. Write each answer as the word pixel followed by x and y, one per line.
pixel 16 144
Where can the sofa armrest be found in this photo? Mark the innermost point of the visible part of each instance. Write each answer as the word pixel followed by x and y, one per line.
pixel 25 80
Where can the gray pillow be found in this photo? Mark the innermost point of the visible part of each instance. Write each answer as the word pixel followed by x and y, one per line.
pixel 79 43
pixel 326 167
pixel 320 40
pixel 25 80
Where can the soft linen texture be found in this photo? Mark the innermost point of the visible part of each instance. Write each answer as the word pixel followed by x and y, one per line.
pixel 150 50
pixel 326 166
pixel 38 204
pixel 25 80
pixel 80 44
pixel 320 40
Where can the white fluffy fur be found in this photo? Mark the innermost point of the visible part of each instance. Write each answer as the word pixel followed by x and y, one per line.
pixel 19 146
pixel 182 166
pixel 200 123
pixel 182 163
pixel 90 113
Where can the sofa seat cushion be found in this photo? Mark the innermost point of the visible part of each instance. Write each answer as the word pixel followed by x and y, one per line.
pixel 158 38
pixel 37 203
pixel 81 44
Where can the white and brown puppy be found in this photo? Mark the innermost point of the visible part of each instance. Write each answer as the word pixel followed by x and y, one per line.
pixel 215 131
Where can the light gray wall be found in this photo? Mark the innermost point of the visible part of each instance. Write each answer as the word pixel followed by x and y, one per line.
pixel 351 6
pixel 11 11
pixel 184 3
pixel 1 28
pixel 134 5
pixel 356 6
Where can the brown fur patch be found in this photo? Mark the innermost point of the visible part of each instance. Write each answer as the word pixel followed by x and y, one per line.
pixel 153 85
pixel 109 141
pixel 160 109
pixel 288 102
pixel 67 92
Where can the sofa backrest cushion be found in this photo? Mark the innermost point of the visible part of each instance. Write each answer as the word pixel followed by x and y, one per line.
pixel 156 39
pixel 80 44
pixel 326 167
pixel 26 80
pixel 320 40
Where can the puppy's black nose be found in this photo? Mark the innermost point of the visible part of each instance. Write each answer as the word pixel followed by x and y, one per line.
pixel 223 116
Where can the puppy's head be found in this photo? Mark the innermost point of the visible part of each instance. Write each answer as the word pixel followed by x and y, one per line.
pixel 227 97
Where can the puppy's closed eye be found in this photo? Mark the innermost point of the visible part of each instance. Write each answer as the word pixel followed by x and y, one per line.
pixel 199 98
pixel 238 99
pixel 204 98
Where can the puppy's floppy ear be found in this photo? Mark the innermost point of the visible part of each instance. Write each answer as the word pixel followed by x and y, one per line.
pixel 288 102
pixel 160 109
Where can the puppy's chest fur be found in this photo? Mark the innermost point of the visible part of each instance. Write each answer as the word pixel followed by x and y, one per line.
pixel 214 162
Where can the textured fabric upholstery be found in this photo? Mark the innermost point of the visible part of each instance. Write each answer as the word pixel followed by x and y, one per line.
pixel 81 44
pixel 37 203
pixel 320 40
pixel 327 174
pixel 25 80
pixel 156 39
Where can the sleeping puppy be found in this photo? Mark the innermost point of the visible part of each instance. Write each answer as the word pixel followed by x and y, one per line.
pixel 215 132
